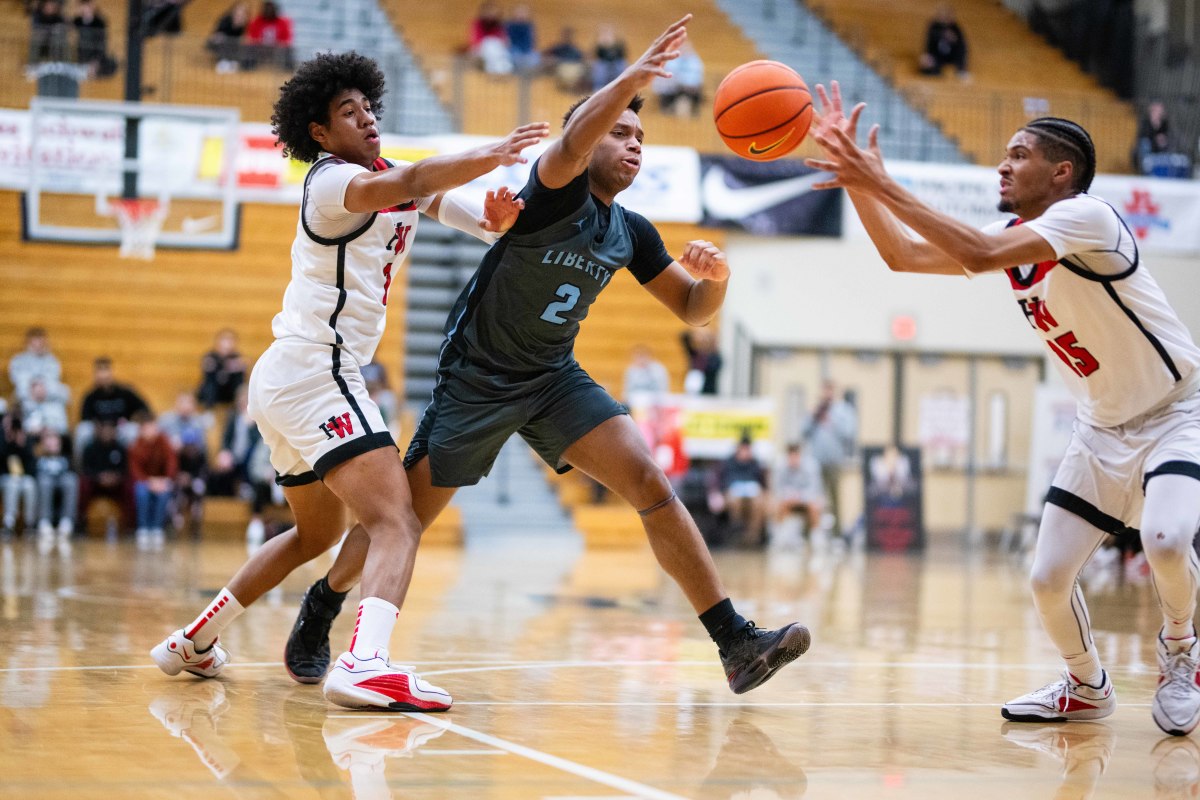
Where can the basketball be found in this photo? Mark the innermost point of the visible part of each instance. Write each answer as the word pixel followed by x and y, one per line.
pixel 762 110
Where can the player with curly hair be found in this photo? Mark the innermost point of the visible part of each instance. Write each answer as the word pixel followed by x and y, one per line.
pixel 328 441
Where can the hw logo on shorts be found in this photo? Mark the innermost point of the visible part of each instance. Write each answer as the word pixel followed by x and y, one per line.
pixel 338 425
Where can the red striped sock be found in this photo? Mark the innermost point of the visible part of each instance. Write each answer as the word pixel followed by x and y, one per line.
pixel 223 610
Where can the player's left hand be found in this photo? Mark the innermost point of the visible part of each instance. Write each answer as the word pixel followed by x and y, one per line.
pixel 704 260
pixel 500 210
pixel 853 167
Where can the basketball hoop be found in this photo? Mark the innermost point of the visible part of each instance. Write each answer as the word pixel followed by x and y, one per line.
pixel 140 220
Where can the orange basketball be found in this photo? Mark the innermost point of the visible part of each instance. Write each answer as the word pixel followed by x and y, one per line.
pixel 763 110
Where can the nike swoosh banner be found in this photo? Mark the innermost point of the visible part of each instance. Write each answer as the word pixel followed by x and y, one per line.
pixel 772 198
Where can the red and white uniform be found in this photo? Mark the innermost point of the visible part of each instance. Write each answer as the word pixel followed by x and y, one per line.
pixel 306 392
pixel 1129 361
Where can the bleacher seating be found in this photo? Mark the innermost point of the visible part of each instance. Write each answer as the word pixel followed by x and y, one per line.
pixel 1014 75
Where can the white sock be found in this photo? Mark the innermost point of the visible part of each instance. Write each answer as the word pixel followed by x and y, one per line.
pixel 223 610
pixel 1085 668
pixel 373 630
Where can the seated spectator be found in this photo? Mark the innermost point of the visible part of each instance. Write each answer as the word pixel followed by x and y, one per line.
pixel 522 39
pixel 945 44
pixel 228 471
pixel 91 45
pixel 225 42
pixel 163 16
pixel 17 470
pixel 489 41
pixel 1154 154
pixel 105 468
pixel 565 60
pixel 743 484
pixel 704 362
pixel 190 481
pixel 223 371
pixel 264 494
pixel 43 412
pixel 270 34
pixel 48 34
pixel 55 477
pixel 610 59
pixel 797 489
pixel 682 93
pixel 152 468
pixel 644 374
pixel 36 361
pixel 185 421
pixel 108 401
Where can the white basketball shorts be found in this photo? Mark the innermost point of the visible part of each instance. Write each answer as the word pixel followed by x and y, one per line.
pixel 312 408
pixel 1104 473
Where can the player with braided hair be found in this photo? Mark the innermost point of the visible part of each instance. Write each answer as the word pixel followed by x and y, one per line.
pixel 1133 465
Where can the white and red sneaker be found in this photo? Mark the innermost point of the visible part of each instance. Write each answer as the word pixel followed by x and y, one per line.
pixel 177 654
pixel 355 743
pixel 1064 700
pixel 374 683
pixel 1176 706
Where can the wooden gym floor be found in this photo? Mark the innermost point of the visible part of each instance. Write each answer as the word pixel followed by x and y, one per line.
pixel 577 675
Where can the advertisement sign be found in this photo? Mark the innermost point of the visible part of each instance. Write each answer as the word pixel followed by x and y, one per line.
pixel 771 198
pixel 893 511
pixel 708 427
pixel 1163 214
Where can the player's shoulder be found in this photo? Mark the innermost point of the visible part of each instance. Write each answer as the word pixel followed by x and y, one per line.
pixel 1085 206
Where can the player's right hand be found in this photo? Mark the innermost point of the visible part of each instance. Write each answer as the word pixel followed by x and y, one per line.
pixel 653 62
pixel 832 114
pixel 508 149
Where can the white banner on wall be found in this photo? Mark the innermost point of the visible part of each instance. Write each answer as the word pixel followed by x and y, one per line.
pixel 665 191
pixel 1163 214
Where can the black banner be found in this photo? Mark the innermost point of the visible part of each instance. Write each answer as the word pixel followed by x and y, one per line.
pixel 892 482
pixel 770 198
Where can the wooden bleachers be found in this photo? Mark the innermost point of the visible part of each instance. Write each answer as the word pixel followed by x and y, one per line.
pixel 436 31
pixel 1012 69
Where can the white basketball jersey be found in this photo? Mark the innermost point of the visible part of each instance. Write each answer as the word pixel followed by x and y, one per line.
pixel 343 263
pixel 1117 342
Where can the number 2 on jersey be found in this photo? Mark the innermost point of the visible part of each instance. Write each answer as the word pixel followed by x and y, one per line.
pixel 570 296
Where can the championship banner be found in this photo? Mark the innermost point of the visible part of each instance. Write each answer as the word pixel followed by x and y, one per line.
pixel 709 427
pixel 1162 213
pixel 772 198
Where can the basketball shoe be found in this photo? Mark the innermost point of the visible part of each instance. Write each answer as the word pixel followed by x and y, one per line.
pixel 1176 706
pixel 177 653
pixel 757 654
pixel 306 654
pixel 1064 700
pixel 374 683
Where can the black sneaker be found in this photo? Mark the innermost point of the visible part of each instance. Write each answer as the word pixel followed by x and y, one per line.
pixel 306 655
pixel 758 654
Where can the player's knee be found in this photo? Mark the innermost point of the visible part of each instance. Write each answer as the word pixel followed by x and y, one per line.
pixel 1048 583
pixel 1167 536
pixel 390 519
pixel 644 485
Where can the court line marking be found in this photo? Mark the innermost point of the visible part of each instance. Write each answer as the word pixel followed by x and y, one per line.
pixel 592 774
pixel 499 666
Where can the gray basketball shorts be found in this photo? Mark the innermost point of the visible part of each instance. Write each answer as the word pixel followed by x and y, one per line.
pixel 463 428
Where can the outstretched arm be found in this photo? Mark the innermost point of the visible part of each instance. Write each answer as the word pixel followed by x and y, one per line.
pixel 460 211
pixel 694 286
pixel 884 201
pixel 371 191
pixel 569 156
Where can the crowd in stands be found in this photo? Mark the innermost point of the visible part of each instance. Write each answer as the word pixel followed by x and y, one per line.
pixel 60 36
pixel 506 44
pixel 740 500
pixel 242 41
pixel 156 471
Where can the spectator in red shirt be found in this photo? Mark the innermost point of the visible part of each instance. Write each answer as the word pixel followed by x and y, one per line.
pixel 152 466
pixel 271 34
